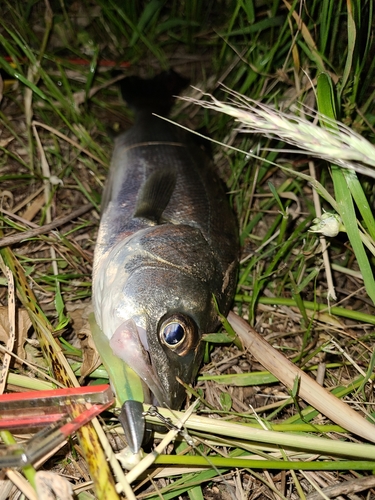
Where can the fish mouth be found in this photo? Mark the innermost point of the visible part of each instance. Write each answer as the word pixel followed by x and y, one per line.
pixel 129 342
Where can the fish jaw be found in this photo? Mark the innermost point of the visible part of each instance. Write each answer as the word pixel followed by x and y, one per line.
pixel 129 342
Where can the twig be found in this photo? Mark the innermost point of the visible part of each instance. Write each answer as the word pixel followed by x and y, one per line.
pixel 332 407
pixel 345 488
pixel 20 482
pixel 12 327
pixel 149 459
pixel 16 238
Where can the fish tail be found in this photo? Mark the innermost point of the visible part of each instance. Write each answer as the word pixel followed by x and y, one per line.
pixel 154 94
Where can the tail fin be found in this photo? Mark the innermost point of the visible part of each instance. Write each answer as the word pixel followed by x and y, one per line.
pixel 154 94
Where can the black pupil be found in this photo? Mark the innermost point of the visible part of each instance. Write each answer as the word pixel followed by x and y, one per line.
pixel 173 333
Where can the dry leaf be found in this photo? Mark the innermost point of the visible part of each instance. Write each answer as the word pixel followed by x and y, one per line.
pixel 4 142
pixel 23 324
pixel 91 358
pixel 34 208
pixel 51 486
pixel 78 313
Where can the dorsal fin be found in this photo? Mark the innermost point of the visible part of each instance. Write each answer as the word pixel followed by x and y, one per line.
pixel 155 195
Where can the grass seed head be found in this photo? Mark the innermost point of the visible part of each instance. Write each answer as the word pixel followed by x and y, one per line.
pixel 338 144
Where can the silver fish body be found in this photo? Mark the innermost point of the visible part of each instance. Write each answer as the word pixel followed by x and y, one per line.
pixel 167 244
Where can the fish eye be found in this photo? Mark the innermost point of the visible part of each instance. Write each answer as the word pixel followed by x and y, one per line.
pixel 179 333
pixel 173 333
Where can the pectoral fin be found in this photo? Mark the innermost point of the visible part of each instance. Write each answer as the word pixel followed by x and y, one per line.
pixel 155 195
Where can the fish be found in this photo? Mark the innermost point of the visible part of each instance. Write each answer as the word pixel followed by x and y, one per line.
pixel 166 255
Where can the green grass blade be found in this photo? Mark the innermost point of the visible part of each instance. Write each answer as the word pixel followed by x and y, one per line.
pixel 352 37
pixel 268 464
pixel 346 187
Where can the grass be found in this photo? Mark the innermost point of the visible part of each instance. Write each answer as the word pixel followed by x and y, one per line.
pixel 270 70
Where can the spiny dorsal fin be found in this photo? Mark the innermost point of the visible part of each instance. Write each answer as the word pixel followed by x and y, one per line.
pixel 155 195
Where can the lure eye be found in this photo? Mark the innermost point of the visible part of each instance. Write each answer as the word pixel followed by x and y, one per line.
pixel 179 333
